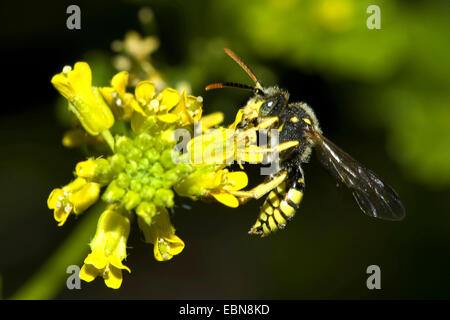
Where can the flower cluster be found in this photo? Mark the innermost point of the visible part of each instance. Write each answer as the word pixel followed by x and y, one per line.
pixel 138 177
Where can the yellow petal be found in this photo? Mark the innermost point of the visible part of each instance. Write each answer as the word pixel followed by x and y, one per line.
pixel 160 256
pixel 86 169
pixel 194 107
pixel 80 77
pixel 167 246
pixel 175 243
pixel 182 112
pixel 115 261
pixel 119 82
pixel 145 91
pixel 89 272
pixel 107 94
pixel 61 214
pixel 137 107
pixel 169 99
pixel 113 279
pixel 237 180
pixel 226 199
pixel 62 84
pixel 168 118
pixel 54 198
pixel 97 260
pixel 85 197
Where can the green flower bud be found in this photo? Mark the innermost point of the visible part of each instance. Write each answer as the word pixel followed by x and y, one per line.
pixel 144 141
pixel 131 167
pixel 145 180
pixel 134 154
pixel 123 145
pixel 170 178
pixel 123 180
pixel 117 162
pixel 136 185
pixel 152 155
pixel 143 163
pixel 166 159
pixel 157 170
pixel 164 198
pixel 156 183
pixel 147 193
pixel 113 192
pixel 131 200
pixel 146 211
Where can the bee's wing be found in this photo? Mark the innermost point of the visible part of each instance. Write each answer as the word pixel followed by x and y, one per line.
pixel 374 197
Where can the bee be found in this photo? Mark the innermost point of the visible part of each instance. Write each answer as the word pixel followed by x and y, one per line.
pixel 298 128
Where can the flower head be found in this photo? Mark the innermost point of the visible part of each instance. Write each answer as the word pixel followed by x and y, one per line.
pixel 143 169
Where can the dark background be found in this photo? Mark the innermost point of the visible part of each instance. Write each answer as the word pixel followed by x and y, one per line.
pixel 382 95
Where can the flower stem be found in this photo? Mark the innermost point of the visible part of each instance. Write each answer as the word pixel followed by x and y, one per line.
pixel 49 279
pixel 108 138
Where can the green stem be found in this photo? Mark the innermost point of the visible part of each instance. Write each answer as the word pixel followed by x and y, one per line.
pixel 49 279
pixel 108 138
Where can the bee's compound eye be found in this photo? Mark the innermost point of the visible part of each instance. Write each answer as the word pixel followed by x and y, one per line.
pixel 267 107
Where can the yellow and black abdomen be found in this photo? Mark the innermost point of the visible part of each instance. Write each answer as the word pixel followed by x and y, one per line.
pixel 280 205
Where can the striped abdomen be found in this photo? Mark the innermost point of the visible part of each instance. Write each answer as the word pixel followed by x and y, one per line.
pixel 279 206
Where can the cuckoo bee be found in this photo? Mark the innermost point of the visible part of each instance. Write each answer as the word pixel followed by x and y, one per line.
pixel 299 130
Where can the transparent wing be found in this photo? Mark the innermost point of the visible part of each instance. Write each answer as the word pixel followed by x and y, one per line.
pixel 374 197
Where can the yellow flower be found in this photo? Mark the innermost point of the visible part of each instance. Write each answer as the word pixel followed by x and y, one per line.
pixel 138 47
pixel 85 100
pixel 217 184
pixel 169 107
pixel 231 181
pixel 159 105
pixel 77 196
pixel 121 102
pixel 189 110
pixel 108 249
pixel 161 233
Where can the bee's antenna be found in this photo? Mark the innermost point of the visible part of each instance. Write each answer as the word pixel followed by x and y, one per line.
pixel 219 85
pixel 243 66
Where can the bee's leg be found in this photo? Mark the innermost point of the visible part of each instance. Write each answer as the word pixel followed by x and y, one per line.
pixel 281 147
pixel 266 123
pixel 256 154
pixel 261 189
